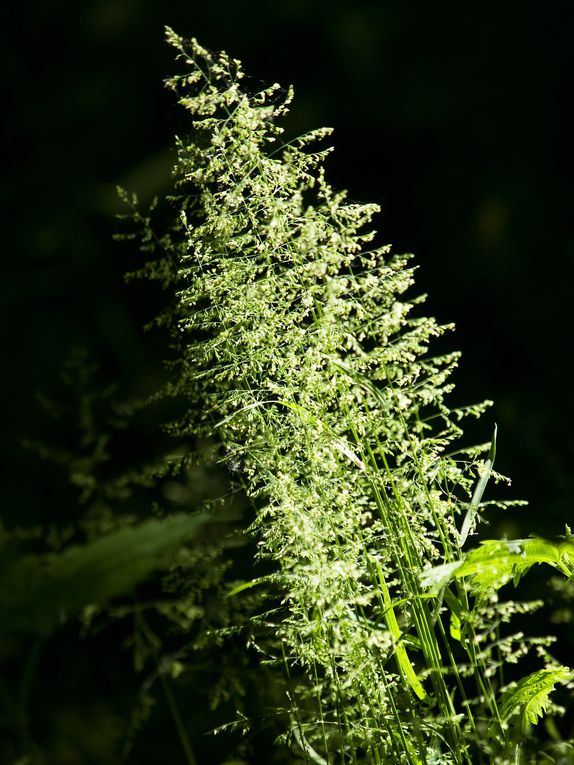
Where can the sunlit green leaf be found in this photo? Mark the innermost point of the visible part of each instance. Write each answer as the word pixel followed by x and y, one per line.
pixel 496 562
pixel 531 695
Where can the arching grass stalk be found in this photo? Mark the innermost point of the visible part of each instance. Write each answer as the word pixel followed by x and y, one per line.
pixel 300 355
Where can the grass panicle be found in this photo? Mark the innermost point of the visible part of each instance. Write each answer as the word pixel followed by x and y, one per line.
pixel 302 355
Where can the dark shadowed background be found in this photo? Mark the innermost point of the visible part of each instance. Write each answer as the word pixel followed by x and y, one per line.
pixel 453 116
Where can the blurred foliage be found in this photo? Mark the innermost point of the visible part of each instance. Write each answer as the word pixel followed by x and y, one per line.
pixel 455 118
pixel 38 592
pixel 95 648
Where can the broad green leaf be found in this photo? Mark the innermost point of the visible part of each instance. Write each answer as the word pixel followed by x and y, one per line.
pixel 38 591
pixel 531 695
pixel 496 562
pixel 438 577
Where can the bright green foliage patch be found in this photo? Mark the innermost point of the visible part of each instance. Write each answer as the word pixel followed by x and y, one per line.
pixel 497 562
pixel 531 695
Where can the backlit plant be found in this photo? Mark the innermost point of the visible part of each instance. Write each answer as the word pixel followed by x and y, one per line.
pixel 306 366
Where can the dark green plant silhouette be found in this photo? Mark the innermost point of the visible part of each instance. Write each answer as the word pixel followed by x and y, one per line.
pixel 128 581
